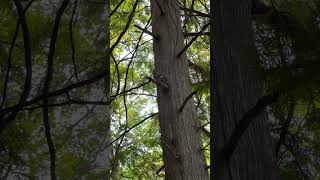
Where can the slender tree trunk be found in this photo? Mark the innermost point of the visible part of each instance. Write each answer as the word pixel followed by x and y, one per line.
pixel 181 144
pixel 235 90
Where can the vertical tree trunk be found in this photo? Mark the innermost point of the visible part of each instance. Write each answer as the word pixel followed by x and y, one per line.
pixel 235 90
pixel 181 144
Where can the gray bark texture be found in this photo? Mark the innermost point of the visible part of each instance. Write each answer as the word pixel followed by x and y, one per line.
pixel 236 89
pixel 180 136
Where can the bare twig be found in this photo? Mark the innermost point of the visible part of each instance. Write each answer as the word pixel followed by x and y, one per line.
pixel 132 127
pixel 127 25
pixel 193 39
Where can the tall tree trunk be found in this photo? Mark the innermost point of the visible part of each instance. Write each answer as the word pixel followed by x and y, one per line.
pixel 235 89
pixel 181 144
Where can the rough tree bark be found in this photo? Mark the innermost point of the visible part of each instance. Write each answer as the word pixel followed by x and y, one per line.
pixel 235 89
pixel 181 144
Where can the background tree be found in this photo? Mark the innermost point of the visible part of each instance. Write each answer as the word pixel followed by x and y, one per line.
pixel 61 75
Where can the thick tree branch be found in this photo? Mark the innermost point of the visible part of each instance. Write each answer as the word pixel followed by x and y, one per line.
pixel 243 125
pixel 115 9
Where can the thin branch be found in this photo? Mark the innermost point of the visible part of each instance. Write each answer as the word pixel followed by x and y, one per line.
pixel 128 130
pixel 70 128
pixel 116 65
pixel 28 6
pixel 306 175
pixel 195 12
pixel 58 92
pixel 131 89
pixel 72 41
pixel 186 34
pixel 142 94
pixel 125 84
pixel 193 39
pixel 27 52
pixel 145 30
pixel 71 102
pixel 285 127
pixel 48 78
pixel 28 66
pixel 9 43
pixel 4 94
pixel 127 25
